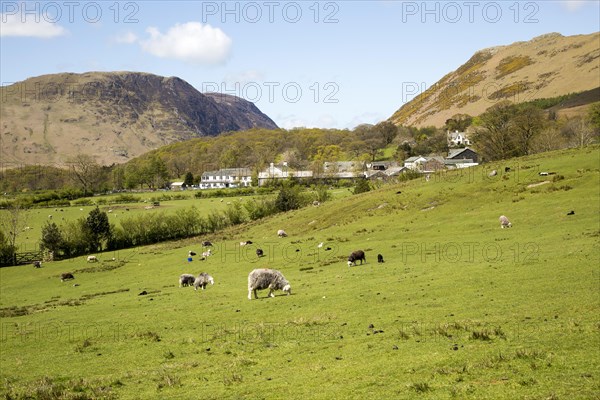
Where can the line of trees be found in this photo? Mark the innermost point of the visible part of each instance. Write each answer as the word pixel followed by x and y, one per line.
pixel 508 130
pixel 94 233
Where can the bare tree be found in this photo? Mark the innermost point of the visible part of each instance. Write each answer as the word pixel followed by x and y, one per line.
pixel 13 223
pixel 85 171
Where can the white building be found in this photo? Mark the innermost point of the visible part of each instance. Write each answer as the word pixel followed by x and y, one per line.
pixel 281 171
pixel 457 138
pixel 226 178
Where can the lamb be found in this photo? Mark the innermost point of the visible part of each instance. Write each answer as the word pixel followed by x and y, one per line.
pixel 259 252
pixel 186 280
pixel 66 276
pixel 92 259
pixel 206 243
pixel 493 173
pixel 206 254
pixel 355 256
pixel 380 258
pixel 37 264
pixel 504 222
pixel 191 253
pixel 265 278
pixel 202 280
pixel 247 242
pixel 281 233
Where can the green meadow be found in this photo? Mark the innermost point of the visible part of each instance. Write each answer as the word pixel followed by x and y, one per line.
pixel 460 309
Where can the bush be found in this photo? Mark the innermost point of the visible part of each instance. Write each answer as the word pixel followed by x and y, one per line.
pixel 289 198
pixel 258 209
pixel 362 186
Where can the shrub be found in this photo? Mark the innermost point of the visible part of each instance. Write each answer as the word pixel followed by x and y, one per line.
pixel 289 198
pixel 258 209
pixel 362 186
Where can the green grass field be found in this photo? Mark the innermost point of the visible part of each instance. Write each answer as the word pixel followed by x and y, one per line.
pixel 460 309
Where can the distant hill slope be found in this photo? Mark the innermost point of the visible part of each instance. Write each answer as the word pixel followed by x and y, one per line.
pixel 114 116
pixel 544 67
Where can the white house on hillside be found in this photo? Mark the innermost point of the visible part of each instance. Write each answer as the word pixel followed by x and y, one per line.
pixel 226 178
pixel 457 138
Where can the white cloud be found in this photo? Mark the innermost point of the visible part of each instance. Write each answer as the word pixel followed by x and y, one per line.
pixel 191 42
pixel 126 38
pixel 12 25
pixel 573 5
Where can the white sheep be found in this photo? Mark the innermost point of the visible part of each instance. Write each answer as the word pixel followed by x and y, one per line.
pixel 92 259
pixel 207 253
pixel 202 280
pixel 265 278
pixel 504 222
pixel 281 233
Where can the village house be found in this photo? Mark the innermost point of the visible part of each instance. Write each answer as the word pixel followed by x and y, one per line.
pixel 387 174
pixel 177 186
pixel 226 178
pixel 456 159
pixel 415 162
pixel 457 138
pixel 276 172
pixel 342 170
pixel 463 154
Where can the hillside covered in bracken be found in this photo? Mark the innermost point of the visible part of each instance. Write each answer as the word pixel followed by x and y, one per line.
pixel 547 66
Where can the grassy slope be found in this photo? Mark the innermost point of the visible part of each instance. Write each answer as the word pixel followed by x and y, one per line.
pixel 467 310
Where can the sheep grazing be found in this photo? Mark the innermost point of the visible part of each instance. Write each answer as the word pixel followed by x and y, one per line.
pixel 259 252
pixel 66 276
pixel 265 278
pixel 92 259
pixel 191 253
pixel 355 256
pixel 281 233
pixel 493 173
pixel 206 243
pixel 206 254
pixel 37 264
pixel 247 242
pixel 571 212
pixel 380 258
pixel 202 280
pixel 186 280
pixel 504 222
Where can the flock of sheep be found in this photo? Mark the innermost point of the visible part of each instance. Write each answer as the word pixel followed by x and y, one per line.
pixel 258 279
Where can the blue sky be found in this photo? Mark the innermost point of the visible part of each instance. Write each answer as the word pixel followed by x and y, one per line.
pixel 330 64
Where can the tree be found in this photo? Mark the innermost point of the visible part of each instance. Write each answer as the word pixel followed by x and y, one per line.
pixel 526 124
pixel 458 122
pixel 7 251
pixel 387 130
pixel 189 179
pixel 289 198
pixel 374 142
pixel 52 239
pixel 593 116
pixel 99 228
pixel 13 223
pixel 85 172
pixel 494 137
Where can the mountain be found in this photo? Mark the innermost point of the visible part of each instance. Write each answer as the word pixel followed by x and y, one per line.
pixel 113 116
pixel 547 66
